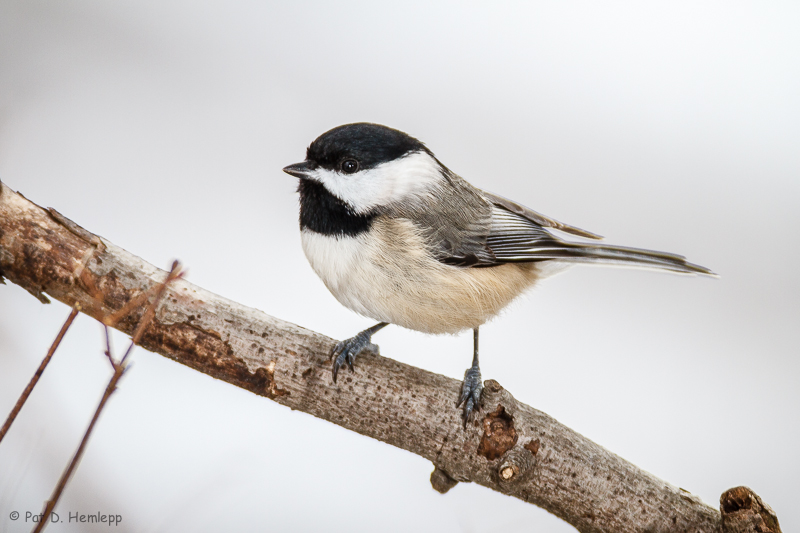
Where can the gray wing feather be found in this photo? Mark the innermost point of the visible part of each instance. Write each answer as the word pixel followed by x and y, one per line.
pixel 514 238
pixel 538 218
pixel 468 227
pixel 455 222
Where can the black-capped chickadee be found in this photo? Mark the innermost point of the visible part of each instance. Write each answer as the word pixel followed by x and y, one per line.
pixel 398 237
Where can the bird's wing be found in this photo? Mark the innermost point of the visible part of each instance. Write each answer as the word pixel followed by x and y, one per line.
pixel 471 228
pixel 516 238
pixel 513 238
pixel 535 217
pixel 454 222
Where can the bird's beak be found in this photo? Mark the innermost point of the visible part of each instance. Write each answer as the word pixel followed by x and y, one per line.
pixel 301 170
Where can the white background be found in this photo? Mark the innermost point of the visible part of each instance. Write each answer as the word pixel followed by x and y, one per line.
pixel 163 127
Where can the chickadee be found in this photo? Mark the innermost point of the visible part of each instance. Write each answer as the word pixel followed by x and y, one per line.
pixel 398 237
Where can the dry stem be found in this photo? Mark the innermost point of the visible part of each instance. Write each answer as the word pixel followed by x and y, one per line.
pixel 35 379
pixel 119 370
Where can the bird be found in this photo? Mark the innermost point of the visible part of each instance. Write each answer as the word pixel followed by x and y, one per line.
pixel 398 237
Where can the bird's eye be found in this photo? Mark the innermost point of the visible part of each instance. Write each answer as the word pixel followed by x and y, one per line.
pixel 349 166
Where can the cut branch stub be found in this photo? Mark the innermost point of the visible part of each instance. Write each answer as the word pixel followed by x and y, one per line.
pixel 441 480
pixel 743 512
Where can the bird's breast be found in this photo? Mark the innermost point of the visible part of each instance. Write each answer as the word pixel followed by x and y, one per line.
pixel 389 274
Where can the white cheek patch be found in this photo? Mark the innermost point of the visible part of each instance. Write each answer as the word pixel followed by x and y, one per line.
pixel 409 176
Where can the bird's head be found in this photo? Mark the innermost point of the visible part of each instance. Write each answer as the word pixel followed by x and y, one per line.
pixel 369 166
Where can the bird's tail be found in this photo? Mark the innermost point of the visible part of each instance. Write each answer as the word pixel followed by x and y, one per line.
pixel 619 255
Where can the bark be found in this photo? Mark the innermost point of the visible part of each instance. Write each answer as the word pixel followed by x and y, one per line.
pixel 743 511
pixel 511 447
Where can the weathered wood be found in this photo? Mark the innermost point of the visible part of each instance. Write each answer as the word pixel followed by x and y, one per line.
pixel 743 511
pixel 511 448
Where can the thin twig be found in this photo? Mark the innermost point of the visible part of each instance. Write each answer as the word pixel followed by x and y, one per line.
pixel 114 318
pixel 150 313
pixel 62 482
pixel 27 392
pixel 119 371
pixel 108 347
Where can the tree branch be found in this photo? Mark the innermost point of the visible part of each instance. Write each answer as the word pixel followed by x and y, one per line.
pixel 512 448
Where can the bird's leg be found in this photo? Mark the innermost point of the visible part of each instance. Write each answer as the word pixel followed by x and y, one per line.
pixel 346 351
pixel 472 386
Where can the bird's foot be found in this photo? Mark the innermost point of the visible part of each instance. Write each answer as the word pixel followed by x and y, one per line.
pixel 346 351
pixel 471 390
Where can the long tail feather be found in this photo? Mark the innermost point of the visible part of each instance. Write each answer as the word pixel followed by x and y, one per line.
pixel 619 255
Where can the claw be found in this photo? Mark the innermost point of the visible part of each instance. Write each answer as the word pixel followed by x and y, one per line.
pixel 345 352
pixel 471 390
